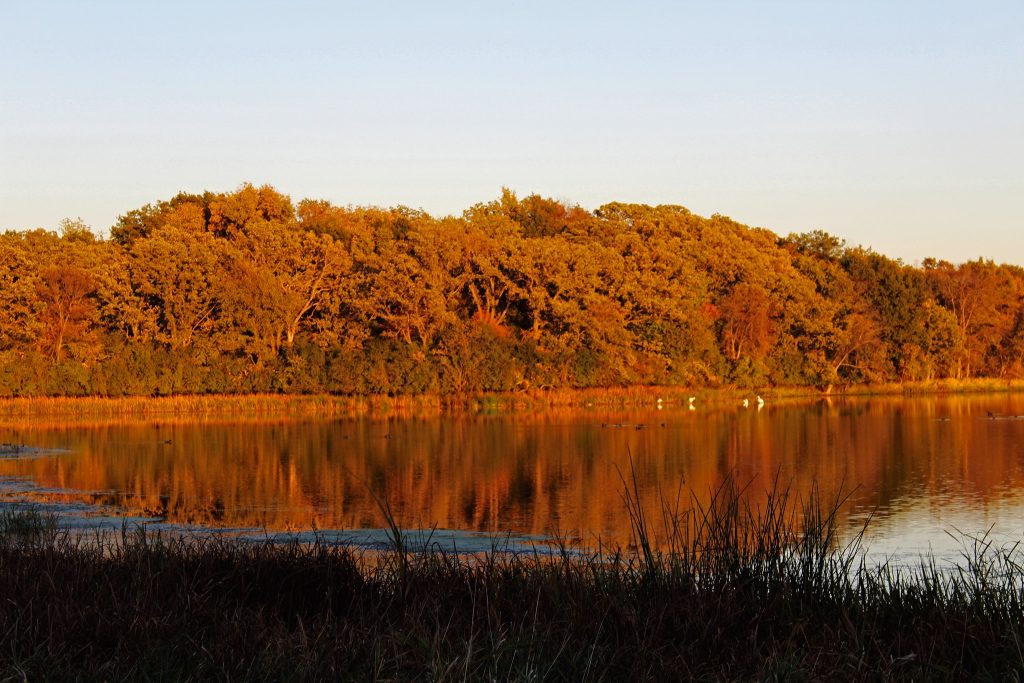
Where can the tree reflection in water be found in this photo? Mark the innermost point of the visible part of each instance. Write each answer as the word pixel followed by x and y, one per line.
pixel 921 464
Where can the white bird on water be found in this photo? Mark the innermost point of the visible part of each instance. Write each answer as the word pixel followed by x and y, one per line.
pixel 760 402
pixel 746 403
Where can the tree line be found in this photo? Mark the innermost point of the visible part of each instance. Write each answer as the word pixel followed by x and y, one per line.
pixel 246 291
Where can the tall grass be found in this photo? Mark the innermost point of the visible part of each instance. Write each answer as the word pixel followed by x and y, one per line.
pixel 740 593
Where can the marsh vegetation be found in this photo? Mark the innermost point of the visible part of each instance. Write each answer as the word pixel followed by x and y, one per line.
pixel 737 593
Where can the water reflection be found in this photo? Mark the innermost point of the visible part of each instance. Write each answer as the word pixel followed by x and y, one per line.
pixel 921 465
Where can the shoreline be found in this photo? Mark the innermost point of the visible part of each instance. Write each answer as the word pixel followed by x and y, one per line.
pixel 329 405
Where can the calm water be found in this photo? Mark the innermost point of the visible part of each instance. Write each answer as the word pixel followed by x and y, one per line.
pixel 923 466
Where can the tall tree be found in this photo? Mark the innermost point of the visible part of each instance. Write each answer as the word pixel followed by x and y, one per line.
pixel 67 307
pixel 746 322
pixel 280 278
pixel 180 273
pixel 982 298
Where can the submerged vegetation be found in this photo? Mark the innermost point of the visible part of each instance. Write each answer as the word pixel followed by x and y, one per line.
pixel 729 592
pixel 246 292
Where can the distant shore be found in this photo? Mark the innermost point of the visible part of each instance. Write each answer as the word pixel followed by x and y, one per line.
pixel 326 405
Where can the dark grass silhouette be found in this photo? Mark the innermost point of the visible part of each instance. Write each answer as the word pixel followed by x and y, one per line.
pixel 728 592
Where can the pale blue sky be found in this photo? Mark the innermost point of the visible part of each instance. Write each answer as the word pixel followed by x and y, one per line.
pixel 897 125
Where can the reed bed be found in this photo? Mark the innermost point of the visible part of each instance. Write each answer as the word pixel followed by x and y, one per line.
pixel 327 405
pixel 731 593
pixel 307 406
pixel 215 406
pixel 974 385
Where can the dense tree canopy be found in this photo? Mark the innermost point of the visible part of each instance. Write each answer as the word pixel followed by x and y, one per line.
pixel 247 291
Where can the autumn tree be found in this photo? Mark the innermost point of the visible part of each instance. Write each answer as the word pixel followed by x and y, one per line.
pixel 897 295
pixel 486 245
pixel 278 279
pixel 746 322
pixel 183 210
pixel 180 274
pixel 19 315
pixel 664 290
pixel 408 288
pixel 234 213
pixel 65 292
pixel 983 300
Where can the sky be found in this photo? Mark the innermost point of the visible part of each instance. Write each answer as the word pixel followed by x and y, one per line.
pixel 894 125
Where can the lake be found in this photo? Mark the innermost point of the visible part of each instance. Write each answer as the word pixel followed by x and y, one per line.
pixel 926 469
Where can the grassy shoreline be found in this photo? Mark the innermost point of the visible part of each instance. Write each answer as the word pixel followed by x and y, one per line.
pixel 740 595
pixel 326 406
